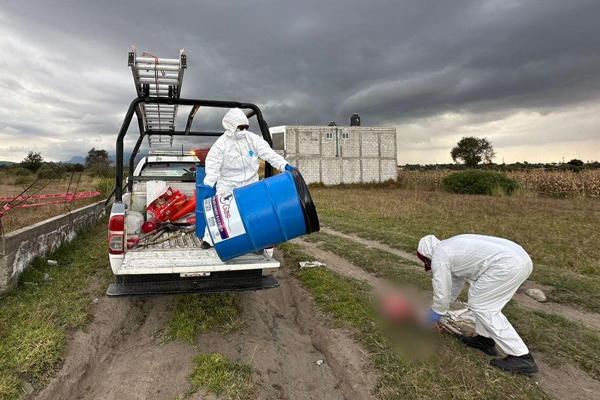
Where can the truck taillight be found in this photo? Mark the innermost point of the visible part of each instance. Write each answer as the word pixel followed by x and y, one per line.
pixel 117 223
pixel 116 234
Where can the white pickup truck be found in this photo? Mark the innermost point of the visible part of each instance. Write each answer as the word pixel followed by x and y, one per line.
pixel 178 262
pixel 177 265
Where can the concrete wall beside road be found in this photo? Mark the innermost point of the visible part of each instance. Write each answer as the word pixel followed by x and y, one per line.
pixel 20 247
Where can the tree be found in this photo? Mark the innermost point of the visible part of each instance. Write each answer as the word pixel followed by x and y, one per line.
pixel 74 167
pixel 472 151
pixel 51 171
pixel 97 157
pixel 98 163
pixel 575 162
pixel 33 161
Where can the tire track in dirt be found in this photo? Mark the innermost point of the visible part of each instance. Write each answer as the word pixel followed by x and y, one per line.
pixel 589 319
pixel 120 355
pixel 284 337
pixel 341 265
pixel 371 243
pixel 566 382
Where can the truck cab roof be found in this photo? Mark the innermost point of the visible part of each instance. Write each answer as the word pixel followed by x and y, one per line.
pixel 145 162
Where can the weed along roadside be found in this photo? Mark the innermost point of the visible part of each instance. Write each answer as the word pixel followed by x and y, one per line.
pixel 81 344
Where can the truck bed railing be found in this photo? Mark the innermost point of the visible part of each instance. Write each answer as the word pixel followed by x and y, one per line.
pixel 134 109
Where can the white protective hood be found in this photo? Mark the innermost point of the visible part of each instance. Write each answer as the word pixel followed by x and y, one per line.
pixel 427 245
pixel 234 118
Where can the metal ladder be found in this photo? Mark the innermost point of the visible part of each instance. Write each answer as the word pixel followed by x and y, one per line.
pixel 157 77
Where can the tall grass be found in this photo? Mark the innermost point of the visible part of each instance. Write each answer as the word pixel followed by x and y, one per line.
pixel 105 185
pixel 21 217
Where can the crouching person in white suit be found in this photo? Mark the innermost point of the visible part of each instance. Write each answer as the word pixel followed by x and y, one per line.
pixel 495 268
pixel 233 161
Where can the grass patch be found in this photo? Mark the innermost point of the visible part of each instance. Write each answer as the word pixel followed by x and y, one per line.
pixel 561 235
pixel 35 316
pixel 105 185
pixel 195 314
pixel 10 387
pixel 561 341
pixel 216 374
pixel 449 371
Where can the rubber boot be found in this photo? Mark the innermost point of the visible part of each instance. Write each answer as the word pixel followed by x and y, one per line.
pixel 516 364
pixel 487 345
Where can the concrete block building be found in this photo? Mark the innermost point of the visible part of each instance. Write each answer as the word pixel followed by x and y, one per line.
pixel 336 154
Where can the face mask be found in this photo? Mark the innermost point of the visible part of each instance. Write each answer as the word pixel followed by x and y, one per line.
pixel 239 134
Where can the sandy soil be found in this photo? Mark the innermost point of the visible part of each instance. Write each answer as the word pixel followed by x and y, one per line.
pixel 284 337
pixel 120 356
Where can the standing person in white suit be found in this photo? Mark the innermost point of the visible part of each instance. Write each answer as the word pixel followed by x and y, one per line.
pixel 234 159
pixel 495 268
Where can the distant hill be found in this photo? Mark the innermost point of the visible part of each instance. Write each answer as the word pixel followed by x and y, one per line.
pixel 81 160
pixel 76 160
pixel 9 163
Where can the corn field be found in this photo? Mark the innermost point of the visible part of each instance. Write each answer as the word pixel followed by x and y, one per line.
pixel 560 183
pixel 422 180
pixel 551 183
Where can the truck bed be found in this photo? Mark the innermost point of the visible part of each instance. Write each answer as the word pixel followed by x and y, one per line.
pixel 187 240
pixel 183 255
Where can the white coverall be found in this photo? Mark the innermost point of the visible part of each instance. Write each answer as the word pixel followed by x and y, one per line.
pixel 494 267
pixel 234 159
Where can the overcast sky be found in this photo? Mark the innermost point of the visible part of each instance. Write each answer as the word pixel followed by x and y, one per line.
pixel 524 74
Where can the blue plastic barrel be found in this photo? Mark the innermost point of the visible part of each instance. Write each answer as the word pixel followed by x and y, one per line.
pixel 200 221
pixel 263 214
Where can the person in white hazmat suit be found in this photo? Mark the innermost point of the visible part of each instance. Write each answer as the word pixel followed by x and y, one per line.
pixel 495 268
pixel 234 159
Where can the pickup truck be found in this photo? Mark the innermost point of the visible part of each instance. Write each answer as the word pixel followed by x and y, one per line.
pixel 176 265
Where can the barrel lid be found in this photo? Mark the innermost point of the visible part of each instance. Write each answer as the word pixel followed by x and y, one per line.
pixel 311 219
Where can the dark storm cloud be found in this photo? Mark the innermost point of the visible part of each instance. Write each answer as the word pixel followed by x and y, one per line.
pixel 305 62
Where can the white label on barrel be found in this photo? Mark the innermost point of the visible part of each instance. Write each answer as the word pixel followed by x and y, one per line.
pixel 223 217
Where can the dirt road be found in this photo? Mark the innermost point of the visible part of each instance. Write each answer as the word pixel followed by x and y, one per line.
pixel 121 354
